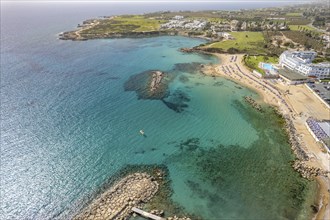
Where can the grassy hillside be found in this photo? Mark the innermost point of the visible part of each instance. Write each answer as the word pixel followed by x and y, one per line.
pixel 301 28
pixel 121 24
pixel 245 42
pixel 293 14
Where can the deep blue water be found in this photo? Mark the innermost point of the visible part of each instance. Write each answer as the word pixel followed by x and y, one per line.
pixel 67 124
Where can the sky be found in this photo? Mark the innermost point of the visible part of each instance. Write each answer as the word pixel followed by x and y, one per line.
pixel 154 1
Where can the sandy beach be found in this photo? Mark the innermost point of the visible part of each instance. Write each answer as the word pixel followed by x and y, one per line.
pixel 298 104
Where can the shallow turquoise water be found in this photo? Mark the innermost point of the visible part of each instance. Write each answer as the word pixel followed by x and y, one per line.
pixel 67 125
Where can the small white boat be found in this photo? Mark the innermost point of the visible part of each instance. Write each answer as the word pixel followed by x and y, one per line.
pixel 142 132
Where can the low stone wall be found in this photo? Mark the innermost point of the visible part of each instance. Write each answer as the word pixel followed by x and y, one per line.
pixel 253 103
pixel 308 172
pixel 117 202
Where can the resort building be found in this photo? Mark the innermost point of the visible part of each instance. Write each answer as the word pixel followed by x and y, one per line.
pixel 293 78
pixel 301 62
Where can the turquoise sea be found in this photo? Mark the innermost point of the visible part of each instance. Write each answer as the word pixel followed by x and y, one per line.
pixel 67 125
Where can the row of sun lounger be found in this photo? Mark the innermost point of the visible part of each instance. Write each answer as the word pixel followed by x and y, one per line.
pixel 317 130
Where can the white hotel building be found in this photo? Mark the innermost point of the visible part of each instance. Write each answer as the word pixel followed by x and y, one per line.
pixel 301 62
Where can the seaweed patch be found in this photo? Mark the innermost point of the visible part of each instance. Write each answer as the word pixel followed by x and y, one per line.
pixel 177 101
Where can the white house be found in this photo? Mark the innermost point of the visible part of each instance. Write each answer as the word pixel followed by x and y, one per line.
pixel 225 35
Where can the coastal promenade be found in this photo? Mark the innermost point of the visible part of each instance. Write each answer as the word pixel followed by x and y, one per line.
pixel 296 106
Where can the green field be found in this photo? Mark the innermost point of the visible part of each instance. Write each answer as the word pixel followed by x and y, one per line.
pixel 297 21
pixel 209 19
pixel 145 24
pixel 244 42
pixel 124 24
pixel 252 62
pixel 301 27
pixel 293 14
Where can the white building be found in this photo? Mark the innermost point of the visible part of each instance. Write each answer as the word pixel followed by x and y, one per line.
pixel 225 35
pixel 301 62
pixel 234 25
pixel 177 17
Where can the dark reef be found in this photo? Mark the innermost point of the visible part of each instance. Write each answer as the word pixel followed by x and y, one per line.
pixel 192 68
pixel 177 101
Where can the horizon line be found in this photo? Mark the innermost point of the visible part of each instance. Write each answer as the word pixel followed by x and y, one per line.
pixel 160 1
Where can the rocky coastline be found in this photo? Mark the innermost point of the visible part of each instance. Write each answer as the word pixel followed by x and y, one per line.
pixel 146 187
pixel 117 202
pixel 300 165
pixel 76 36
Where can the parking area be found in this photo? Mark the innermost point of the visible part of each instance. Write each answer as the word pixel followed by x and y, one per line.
pixel 322 89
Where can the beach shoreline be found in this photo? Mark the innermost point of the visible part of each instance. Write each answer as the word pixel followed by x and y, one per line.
pixel 292 107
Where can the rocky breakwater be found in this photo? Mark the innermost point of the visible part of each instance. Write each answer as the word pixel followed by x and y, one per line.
pixel 116 203
pixel 253 103
pixel 307 171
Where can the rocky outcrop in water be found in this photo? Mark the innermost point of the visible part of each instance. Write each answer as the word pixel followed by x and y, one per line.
pixel 149 84
pixel 307 171
pixel 117 202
